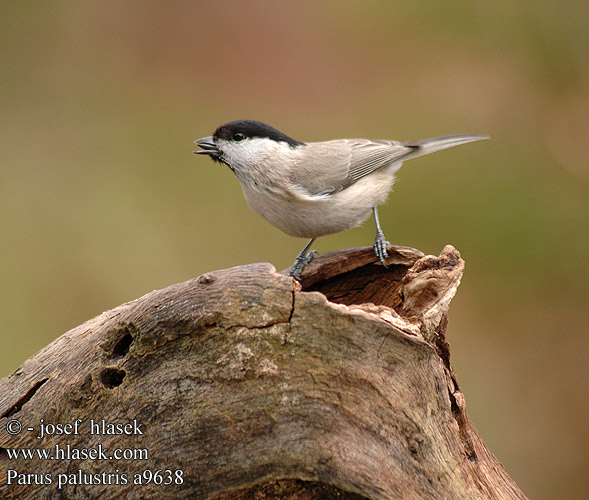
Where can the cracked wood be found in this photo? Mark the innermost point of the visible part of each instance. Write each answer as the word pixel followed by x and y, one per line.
pixel 254 385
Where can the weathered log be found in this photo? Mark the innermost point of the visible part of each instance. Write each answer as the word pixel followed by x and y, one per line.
pixel 244 384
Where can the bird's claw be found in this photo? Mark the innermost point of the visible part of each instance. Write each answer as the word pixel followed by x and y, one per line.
pixel 380 248
pixel 300 262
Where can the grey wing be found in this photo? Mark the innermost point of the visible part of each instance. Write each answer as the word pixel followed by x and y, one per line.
pixel 329 167
pixel 369 156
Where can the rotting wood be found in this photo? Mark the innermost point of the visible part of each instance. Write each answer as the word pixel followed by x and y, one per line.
pixel 246 384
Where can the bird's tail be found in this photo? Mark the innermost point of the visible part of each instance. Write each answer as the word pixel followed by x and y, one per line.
pixel 427 146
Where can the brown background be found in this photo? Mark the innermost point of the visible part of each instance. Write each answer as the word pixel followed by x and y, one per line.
pixel 102 201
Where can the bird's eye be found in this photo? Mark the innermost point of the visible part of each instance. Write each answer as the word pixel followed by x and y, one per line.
pixel 238 136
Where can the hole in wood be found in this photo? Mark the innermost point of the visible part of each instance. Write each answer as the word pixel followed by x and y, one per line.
pixel 118 340
pixel 369 283
pixel 354 276
pixel 15 408
pixel 124 343
pixel 112 377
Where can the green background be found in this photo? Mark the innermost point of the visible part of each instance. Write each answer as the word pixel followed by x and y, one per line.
pixel 101 199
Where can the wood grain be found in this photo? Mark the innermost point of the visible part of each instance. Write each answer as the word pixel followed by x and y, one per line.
pixel 256 386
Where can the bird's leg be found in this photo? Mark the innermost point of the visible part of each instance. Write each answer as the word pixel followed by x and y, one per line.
pixel 380 243
pixel 303 258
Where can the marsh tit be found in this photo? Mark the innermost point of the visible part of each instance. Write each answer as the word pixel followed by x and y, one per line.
pixel 310 189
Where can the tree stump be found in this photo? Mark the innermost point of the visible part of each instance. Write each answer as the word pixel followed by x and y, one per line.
pixel 245 384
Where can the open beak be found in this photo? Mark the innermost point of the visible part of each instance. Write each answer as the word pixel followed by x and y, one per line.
pixel 207 145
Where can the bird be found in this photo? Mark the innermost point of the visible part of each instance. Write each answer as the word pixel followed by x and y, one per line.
pixel 312 189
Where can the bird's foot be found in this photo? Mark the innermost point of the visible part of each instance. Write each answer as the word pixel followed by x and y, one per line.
pixel 380 248
pixel 300 262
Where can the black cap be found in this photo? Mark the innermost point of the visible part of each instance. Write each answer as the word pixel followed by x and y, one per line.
pixel 242 129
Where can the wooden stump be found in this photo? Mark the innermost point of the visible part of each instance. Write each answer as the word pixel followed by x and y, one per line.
pixel 245 384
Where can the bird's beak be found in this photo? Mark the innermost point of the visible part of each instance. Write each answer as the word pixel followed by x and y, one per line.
pixel 208 146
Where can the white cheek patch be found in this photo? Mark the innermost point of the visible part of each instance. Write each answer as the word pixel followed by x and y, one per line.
pixel 249 153
pixel 241 154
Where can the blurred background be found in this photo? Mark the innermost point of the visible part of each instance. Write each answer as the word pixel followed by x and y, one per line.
pixel 102 200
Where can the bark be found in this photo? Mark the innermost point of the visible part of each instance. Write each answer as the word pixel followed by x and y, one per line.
pixel 244 384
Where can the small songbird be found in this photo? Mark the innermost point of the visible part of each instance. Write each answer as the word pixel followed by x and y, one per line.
pixel 310 189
